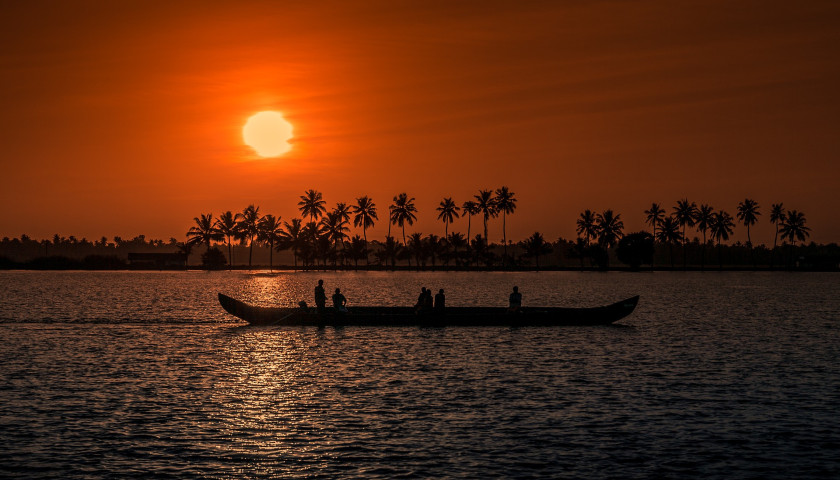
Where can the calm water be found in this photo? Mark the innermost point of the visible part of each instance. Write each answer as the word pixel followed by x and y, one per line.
pixel 716 375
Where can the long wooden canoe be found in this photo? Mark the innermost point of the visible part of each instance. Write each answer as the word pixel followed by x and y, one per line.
pixel 453 316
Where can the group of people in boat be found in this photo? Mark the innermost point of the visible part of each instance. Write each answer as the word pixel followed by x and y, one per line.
pixel 338 298
pixel 425 303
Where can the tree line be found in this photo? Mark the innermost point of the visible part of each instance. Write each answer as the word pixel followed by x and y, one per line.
pixel 671 228
pixel 322 236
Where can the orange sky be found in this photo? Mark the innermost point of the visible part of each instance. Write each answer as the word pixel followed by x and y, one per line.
pixel 122 118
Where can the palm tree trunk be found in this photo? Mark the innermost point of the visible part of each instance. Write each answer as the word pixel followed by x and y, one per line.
pixel 364 233
pixel 230 257
pixel 703 253
pixel 749 242
pixel 485 231
pixel 504 237
pixel 250 251
pixel 469 222
pixel 773 253
pixel 685 249
pixel 408 257
pixel 720 256
pixel 271 256
pixel 653 258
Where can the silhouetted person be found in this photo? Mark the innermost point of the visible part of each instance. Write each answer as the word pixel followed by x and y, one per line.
pixel 339 302
pixel 515 300
pixel 420 299
pixel 320 297
pixel 440 302
pixel 424 301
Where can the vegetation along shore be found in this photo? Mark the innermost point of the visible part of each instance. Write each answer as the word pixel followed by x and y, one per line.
pixel 686 237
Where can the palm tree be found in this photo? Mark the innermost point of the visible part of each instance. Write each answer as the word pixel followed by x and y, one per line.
pixel 505 203
pixel 324 249
pixel 390 250
pixel 291 237
pixel 311 205
pixel 654 216
pixel 204 231
pixel 456 240
pixel 748 214
pixel 402 211
pixel 357 249
pixel 270 232
pixel 777 217
pixel 227 225
pixel 487 206
pixel 365 214
pixel 704 220
pixel 685 213
pixel 470 208
pixel 343 211
pixel 721 228
pixel 311 235
pixel 185 249
pixel 334 227
pixel 610 228
pixel 249 228
pixel 534 246
pixel 580 250
pixel 794 228
pixel 417 247
pixel 480 252
pixel 448 212
pixel 669 232
pixel 587 226
pixel 433 246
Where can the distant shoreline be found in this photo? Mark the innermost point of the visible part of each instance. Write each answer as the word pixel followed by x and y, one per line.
pixel 406 268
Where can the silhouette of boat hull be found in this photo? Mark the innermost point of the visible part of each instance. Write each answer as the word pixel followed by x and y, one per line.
pixel 454 316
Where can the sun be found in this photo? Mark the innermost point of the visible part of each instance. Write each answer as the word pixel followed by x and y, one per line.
pixel 268 133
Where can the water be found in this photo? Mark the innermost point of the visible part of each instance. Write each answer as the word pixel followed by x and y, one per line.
pixel 140 374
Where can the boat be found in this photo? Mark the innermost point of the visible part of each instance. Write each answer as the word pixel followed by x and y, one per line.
pixel 407 316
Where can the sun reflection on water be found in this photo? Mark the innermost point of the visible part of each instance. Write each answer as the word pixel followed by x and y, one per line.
pixel 275 289
pixel 269 395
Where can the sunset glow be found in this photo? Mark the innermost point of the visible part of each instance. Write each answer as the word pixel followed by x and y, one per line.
pixel 582 105
pixel 268 133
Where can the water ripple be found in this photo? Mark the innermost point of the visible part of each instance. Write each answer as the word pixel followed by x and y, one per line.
pixel 715 376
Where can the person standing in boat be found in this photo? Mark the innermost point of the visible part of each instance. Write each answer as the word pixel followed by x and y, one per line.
pixel 440 302
pixel 320 297
pixel 515 300
pixel 339 301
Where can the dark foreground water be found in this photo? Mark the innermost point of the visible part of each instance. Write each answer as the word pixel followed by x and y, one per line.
pixel 716 375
